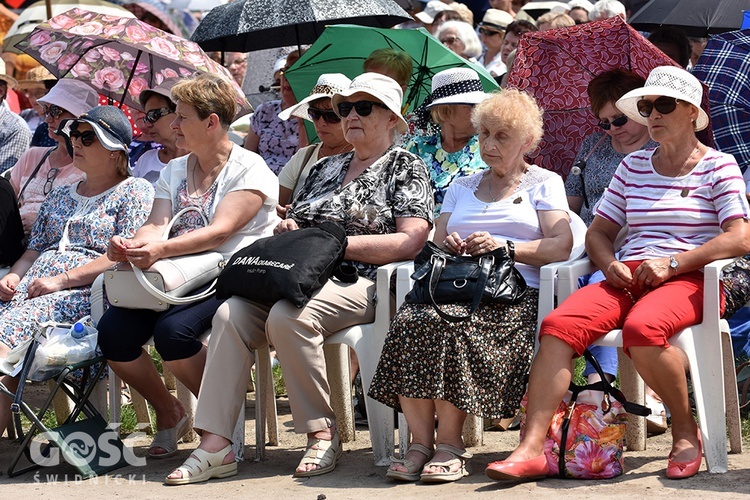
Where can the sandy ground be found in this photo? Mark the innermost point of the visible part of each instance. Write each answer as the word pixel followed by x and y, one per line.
pixel 357 478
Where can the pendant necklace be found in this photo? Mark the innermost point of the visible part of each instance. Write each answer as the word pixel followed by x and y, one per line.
pixel 495 198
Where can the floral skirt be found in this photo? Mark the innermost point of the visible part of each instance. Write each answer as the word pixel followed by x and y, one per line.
pixel 480 365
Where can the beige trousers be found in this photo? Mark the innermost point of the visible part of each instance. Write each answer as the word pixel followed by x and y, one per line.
pixel 240 326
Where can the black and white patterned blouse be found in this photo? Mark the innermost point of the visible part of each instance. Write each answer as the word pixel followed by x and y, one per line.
pixel 396 185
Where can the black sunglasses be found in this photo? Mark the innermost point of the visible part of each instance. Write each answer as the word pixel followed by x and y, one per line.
pixel 154 115
pixel 363 108
pixel 617 122
pixel 663 105
pixel 87 137
pixel 53 111
pixel 486 32
pixel 328 115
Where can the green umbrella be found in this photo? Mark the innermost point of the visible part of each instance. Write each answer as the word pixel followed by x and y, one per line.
pixel 343 49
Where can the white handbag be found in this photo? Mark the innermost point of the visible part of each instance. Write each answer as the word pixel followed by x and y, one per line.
pixel 167 282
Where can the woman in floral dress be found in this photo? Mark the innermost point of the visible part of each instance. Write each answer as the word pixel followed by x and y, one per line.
pixel 454 151
pixel 67 250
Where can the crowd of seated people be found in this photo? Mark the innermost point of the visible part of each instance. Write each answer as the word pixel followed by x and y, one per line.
pixel 456 171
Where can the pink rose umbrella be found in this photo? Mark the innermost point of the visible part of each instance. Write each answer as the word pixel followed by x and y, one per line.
pixel 120 57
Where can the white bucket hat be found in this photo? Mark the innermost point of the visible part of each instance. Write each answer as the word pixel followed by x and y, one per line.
pixel 381 87
pixel 669 81
pixel 456 86
pixel 327 85
pixel 427 15
pixel 74 96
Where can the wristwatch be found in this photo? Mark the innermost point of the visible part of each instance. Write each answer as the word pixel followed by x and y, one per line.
pixel 673 263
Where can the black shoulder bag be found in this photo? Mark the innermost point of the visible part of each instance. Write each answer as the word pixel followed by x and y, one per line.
pixel 444 278
pixel 292 266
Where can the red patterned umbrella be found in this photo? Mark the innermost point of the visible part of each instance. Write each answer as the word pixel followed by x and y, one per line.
pixel 556 66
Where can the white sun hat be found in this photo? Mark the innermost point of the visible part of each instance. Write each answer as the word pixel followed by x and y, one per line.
pixel 456 86
pixel 381 87
pixel 427 15
pixel 327 85
pixel 669 81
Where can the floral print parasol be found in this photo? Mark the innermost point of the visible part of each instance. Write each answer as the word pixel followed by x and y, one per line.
pixel 120 57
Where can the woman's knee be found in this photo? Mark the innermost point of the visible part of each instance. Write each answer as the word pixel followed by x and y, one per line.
pixel 174 340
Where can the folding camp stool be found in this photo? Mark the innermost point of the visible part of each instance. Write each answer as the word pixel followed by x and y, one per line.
pixel 87 443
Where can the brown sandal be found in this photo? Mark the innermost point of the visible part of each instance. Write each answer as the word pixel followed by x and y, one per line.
pixel 413 471
pixel 459 457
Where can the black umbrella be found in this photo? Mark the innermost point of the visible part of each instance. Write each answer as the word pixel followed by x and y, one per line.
pixel 248 25
pixel 697 18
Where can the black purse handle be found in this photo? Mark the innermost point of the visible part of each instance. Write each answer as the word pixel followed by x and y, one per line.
pixel 486 261
pixel 438 263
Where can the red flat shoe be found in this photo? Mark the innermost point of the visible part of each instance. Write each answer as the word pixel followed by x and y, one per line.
pixel 682 470
pixel 528 470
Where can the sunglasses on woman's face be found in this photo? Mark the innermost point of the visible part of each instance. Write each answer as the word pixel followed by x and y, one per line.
pixel 86 138
pixel 486 32
pixel 154 115
pixel 363 108
pixel 663 105
pixel 52 111
pixel 328 115
pixel 617 122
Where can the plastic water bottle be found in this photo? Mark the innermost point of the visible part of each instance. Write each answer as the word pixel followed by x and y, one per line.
pixel 80 330
pixel 81 347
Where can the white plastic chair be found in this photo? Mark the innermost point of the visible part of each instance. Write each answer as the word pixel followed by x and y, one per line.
pixel 709 350
pixel 263 391
pixel 367 341
pixel 474 425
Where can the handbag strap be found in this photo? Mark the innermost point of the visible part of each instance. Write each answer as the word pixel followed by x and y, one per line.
pixel 175 301
pixel 36 171
pixel 438 263
pixel 146 284
pixel 609 391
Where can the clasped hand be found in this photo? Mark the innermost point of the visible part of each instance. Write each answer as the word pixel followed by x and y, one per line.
pixel 38 287
pixel 649 274
pixel 142 254
pixel 477 243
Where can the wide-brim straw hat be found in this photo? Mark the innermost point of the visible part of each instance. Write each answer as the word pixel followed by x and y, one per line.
pixel 456 86
pixel 669 81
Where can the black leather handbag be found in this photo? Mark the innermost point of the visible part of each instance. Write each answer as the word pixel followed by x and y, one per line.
pixel 443 278
pixel 292 266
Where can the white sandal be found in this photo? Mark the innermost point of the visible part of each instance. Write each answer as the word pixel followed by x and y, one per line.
pixel 447 475
pixel 166 439
pixel 202 466
pixel 413 471
pixel 321 453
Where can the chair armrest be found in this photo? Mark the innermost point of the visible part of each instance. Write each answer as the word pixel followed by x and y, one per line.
pixel 712 289
pixel 383 290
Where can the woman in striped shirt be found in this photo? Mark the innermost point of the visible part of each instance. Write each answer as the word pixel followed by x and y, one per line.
pixel 685 206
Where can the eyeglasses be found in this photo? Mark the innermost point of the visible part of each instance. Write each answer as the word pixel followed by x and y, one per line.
pixel 87 137
pixel 328 115
pixel 617 122
pixel 363 108
pixel 51 176
pixel 449 40
pixel 663 105
pixel 486 32
pixel 52 111
pixel 154 115
pixel 236 62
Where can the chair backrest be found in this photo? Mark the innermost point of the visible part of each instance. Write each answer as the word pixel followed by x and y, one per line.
pixel 578 227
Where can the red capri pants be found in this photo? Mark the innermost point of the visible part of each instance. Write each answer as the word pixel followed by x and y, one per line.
pixel 656 315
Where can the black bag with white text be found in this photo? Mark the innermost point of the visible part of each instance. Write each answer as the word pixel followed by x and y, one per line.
pixel 292 265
